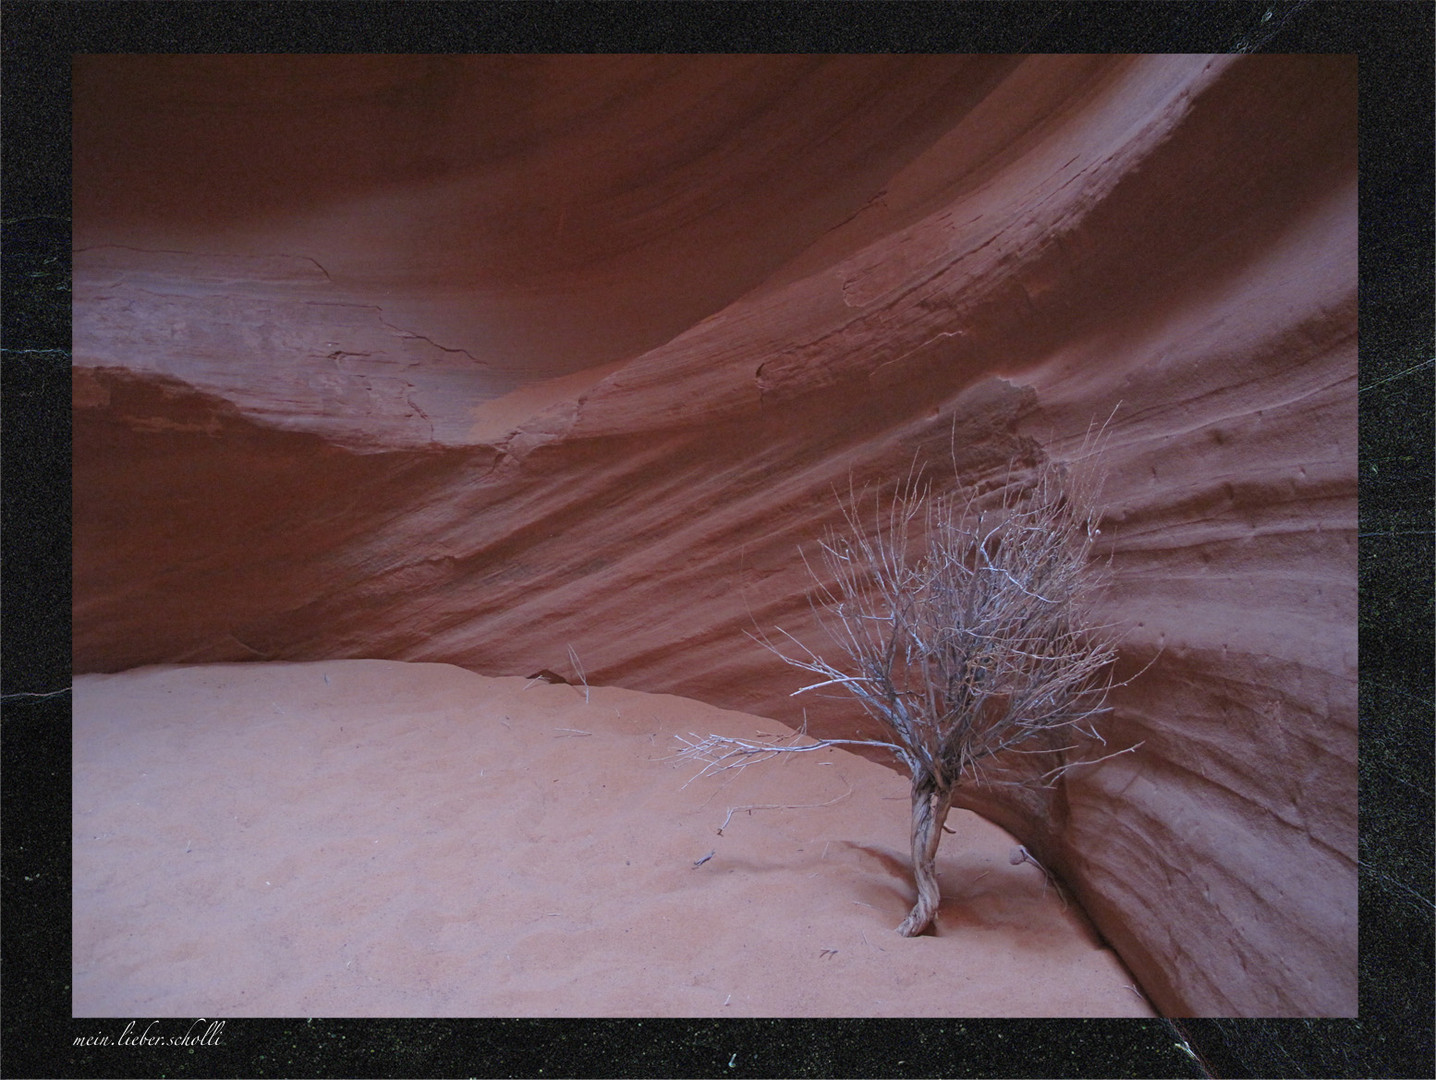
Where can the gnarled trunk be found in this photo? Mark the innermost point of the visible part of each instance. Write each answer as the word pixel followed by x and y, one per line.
pixel 930 805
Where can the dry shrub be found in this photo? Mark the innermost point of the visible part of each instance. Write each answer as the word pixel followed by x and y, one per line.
pixel 958 622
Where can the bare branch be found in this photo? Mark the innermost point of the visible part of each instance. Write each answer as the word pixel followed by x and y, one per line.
pixel 719 753
pixel 578 670
pixel 785 806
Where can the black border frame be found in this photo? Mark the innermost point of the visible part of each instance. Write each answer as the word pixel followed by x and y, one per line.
pixel 1392 1037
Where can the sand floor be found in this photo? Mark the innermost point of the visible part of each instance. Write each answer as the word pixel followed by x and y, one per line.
pixel 374 838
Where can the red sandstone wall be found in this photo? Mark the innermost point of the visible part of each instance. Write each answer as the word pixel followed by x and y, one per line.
pixel 476 359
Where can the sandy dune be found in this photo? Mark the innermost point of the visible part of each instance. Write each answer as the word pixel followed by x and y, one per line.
pixel 374 838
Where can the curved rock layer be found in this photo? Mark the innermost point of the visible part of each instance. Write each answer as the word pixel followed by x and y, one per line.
pixel 480 360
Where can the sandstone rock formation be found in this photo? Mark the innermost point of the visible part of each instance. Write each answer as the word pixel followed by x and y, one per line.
pixel 478 359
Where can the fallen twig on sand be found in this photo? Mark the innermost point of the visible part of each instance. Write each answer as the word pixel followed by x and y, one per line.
pixel 784 806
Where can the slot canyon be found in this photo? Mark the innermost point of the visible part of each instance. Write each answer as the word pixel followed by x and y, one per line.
pixel 391 366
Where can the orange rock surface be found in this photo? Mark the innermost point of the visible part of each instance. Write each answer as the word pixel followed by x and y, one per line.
pixel 479 359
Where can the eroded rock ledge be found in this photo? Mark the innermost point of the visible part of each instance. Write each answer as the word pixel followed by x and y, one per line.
pixel 532 353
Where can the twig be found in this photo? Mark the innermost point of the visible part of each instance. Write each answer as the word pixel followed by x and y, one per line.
pixel 784 806
pixel 577 667
pixel 1022 855
pixel 715 750
pixel 1091 761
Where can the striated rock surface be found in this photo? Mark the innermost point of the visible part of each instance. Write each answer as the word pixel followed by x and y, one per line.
pixel 475 360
